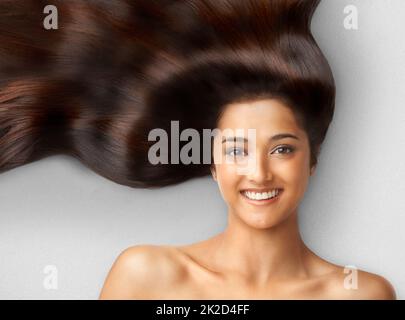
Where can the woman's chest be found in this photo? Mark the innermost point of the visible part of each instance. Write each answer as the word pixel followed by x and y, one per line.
pixel 207 289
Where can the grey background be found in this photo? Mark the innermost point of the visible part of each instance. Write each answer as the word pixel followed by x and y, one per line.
pixel 57 212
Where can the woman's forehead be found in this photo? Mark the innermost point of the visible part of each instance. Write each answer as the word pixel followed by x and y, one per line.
pixel 264 116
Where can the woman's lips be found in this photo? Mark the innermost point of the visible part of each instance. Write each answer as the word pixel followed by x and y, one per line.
pixel 262 202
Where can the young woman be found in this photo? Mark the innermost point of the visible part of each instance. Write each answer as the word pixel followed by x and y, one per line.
pixel 110 72
pixel 274 79
pixel 260 255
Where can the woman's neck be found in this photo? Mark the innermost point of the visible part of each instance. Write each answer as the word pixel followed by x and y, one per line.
pixel 262 255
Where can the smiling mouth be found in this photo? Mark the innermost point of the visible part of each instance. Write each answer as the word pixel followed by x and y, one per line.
pixel 261 198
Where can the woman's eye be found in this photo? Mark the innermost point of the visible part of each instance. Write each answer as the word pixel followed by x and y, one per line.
pixel 234 152
pixel 284 148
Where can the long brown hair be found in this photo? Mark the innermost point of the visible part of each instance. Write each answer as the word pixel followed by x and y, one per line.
pixel 114 70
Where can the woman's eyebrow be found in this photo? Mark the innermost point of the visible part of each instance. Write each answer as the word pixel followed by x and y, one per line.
pixel 278 136
pixel 234 139
pixel 283 136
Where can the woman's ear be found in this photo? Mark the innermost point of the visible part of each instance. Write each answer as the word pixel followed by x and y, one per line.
pixel 312 171
pixel 213 172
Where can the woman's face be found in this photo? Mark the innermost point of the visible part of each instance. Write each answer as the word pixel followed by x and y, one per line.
pixel 281 164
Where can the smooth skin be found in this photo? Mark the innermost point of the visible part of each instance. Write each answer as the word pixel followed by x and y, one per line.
pixel 260 254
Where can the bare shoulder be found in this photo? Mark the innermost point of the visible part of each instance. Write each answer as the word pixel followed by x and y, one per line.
pixel 142 272
pixel 351 283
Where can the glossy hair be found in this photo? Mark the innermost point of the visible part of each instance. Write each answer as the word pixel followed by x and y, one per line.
pixel 114 70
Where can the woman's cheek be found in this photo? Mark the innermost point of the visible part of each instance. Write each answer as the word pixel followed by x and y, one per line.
pixel 222 178
pixel 228 181
pixel 298 183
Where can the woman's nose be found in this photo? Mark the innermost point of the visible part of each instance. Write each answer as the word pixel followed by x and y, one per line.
pixel 260 172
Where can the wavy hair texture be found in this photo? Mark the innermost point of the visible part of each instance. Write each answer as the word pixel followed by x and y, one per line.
pixel 114 70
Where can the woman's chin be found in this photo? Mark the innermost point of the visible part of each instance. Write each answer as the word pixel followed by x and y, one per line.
pixel 262 220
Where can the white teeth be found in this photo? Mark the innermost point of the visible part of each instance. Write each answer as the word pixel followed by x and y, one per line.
pixel 262 195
